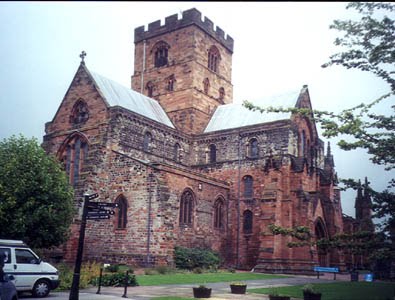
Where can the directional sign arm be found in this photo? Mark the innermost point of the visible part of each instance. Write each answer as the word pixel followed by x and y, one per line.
pixel 92 196
pixel 97 217
pixel 102 204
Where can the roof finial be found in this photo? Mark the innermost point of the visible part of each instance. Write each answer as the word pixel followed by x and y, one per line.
pixel 359 190
pixel 328 150
pixel 82 55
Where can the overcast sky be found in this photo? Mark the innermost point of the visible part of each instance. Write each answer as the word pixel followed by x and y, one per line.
pixel 278 47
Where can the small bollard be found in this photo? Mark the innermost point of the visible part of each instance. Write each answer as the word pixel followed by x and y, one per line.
pixel 101 274
pixel 126 285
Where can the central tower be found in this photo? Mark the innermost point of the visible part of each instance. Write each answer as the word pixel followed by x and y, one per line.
pixel 186 65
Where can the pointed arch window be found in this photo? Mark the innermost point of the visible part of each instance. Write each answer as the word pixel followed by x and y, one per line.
pixel 73 156
pixel 122 212
pixel 176 152
pixel 212 153
pixel 150 88
pixel 253 148
pixel 79 113
pixel 206 85
pixel 247 221
pixel 219 212
pixel 186 208
pixel 248 186
pixel 213 58
pixel 161 53
pixel 147 141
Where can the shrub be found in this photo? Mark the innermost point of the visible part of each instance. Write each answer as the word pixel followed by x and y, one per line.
pixel 197 270
pixel 231 270
pixel 89 271
pixel 112 268
pixel 65 276
pixel 191 258
pixel 115 279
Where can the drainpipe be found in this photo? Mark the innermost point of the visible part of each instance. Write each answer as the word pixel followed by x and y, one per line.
pixel 143 70
pixel 238 205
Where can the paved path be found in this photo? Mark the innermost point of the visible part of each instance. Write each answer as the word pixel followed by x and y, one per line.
pixel 220 291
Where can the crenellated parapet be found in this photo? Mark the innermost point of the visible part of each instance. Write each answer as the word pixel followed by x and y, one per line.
pixel 189 17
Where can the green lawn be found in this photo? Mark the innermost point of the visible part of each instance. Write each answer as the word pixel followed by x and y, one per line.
pixel 191 278
pixel 340 291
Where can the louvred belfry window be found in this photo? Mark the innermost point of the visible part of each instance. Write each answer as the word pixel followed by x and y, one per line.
pixel 186 208
pixel 73 155
pixel 213 59
pixel 161 52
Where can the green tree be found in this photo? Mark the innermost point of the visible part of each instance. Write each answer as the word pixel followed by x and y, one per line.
pixel 368 44
pixel 370 47
pixel 369 244
pixel 36 201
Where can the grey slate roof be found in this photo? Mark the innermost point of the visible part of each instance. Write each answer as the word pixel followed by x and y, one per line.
pixel 118 95
pixel 236 115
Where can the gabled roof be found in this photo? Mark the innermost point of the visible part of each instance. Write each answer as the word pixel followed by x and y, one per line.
pixel 116 94
pixel 236 115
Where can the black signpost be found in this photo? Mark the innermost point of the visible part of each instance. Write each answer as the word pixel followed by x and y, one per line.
pixel 90 211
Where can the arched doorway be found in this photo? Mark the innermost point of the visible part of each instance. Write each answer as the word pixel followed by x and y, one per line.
pixel 321 232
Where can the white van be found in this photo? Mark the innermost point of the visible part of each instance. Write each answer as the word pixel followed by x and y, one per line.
pixel 30 272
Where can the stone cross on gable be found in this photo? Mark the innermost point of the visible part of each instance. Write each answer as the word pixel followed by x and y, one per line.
pixel 82 55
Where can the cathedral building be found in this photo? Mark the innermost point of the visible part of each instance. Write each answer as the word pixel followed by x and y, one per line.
pixel 187 166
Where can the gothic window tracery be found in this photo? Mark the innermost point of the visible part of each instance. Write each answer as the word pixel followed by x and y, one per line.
pixel 79 113
pixel 73 155
pixel 161 52
pixel 186 208
pixel 213 58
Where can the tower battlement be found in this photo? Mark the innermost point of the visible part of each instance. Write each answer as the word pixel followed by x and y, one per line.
pixel 189 17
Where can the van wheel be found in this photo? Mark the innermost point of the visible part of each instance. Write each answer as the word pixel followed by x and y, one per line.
pixel 41 288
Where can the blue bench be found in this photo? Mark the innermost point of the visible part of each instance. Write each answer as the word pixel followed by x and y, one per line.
pixel 326 270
